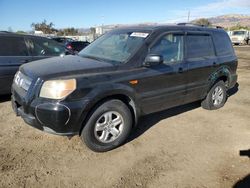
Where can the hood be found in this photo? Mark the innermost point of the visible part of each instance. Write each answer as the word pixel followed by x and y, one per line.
pixel 63 66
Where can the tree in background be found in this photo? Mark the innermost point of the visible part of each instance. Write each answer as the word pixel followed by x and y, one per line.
pixel 203 21
pixel 21 32
pixel 68 32
pixel 44 27
pixel 238 27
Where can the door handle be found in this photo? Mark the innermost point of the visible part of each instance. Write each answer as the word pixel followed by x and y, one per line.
pixel 180 70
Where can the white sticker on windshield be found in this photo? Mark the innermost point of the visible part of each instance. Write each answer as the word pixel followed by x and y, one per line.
pixel 139 34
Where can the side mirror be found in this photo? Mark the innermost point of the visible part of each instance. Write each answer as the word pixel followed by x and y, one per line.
pixel 152 60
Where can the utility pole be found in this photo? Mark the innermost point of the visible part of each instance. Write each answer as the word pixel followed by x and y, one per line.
pixel 188 15
pixel 102 27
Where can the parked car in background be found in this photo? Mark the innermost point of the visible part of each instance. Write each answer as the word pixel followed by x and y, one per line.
pixel 240 37
pixel 102 92
pixel 16 50
pixel 62 40
pixel 76 46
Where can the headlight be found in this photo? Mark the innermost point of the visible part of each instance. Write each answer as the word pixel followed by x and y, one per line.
pixel 57 89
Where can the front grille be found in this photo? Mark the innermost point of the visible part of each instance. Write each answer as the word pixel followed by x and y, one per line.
pixel 22 81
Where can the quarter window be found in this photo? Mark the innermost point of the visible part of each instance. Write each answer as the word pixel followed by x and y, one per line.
pixel 199 46
pixel 223 44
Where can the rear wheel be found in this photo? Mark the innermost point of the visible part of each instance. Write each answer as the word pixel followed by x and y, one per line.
pixel 108 127
pixel 216 97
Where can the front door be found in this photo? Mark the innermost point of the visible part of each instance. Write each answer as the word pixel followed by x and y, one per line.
pixel 164 86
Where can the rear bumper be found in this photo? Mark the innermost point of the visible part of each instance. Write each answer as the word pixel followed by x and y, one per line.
pixel 233 81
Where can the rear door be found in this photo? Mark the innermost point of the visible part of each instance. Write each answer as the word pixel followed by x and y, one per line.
pixel 201 59
pixel 13 53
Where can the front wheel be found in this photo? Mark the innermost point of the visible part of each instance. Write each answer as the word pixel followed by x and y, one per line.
pixel 216 97
pixel 108 127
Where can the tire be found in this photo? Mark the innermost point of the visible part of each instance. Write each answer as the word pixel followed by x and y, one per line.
pixel 209 103
pixel 108 127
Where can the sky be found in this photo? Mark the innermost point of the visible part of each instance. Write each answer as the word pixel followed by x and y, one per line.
pixel 20 14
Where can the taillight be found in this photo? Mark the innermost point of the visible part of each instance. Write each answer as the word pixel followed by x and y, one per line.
pixel 69 47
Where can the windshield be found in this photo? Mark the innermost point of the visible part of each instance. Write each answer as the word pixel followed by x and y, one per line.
pixel 115 47
pixel 239 32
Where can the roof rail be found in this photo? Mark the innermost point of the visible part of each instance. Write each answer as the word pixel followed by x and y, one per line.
pixel 5 32
pixel 188 23
pixel 199 25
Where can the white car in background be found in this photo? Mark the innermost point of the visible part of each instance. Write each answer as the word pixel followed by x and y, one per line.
pixel 240 37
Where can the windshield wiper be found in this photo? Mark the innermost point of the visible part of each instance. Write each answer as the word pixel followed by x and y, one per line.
pixel 101 59
pixel 92 57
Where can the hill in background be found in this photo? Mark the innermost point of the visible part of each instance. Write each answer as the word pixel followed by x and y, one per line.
pixel 231 20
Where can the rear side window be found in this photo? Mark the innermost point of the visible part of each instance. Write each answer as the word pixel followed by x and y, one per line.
pixel 12 46
pixel 199 46
pixel 223 44
pixel 44 47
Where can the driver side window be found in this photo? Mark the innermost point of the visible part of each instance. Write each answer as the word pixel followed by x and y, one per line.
pixel 170 47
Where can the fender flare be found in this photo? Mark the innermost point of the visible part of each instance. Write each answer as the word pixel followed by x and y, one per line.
pixel 110 91
pixel 222 73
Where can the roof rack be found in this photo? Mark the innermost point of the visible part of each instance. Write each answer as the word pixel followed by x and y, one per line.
pixel 189 24
pixel 5 32
pixel 199 25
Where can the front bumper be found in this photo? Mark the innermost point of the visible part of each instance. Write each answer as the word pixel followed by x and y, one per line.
pixel 60 118
pixel 238 41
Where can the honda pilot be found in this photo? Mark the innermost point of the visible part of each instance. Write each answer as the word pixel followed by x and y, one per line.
pixel 101 93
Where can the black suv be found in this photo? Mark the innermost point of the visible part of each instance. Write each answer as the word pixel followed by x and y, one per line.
pixel 16 49
pixel 62 40
pixel 100 93
pixel 76 46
